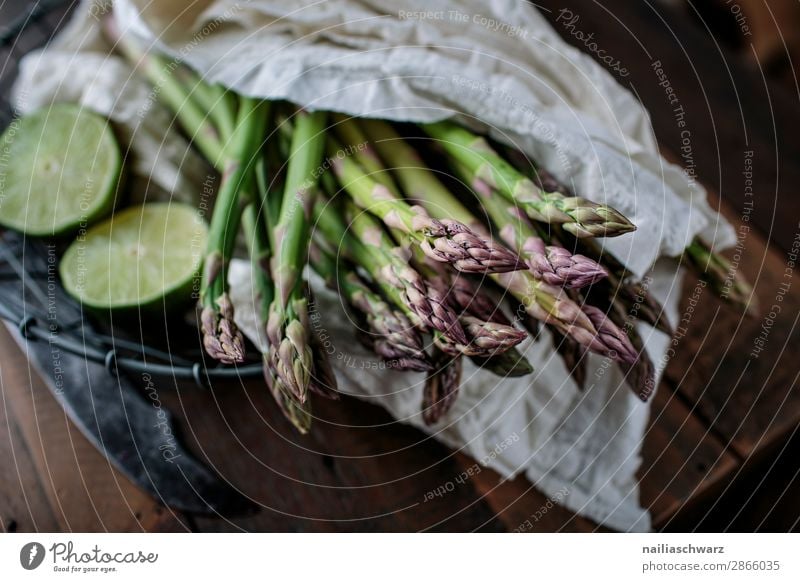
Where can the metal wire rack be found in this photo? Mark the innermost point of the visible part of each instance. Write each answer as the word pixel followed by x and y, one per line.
pixel 26 283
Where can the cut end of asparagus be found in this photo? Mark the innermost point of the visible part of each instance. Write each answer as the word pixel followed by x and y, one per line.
pixel 222 340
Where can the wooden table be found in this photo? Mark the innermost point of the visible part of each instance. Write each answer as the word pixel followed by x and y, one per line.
pixel 719 452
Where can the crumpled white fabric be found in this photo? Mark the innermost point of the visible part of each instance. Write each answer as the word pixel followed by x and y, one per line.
pixel 495 65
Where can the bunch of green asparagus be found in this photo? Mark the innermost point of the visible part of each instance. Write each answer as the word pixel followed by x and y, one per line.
pixel 426 260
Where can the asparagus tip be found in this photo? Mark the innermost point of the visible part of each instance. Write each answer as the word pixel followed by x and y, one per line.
pixel 222 339
pixel 449 241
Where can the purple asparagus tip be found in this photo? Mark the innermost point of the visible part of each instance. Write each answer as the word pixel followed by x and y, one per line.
pixel 616 343
pixel 557 266
pixel 452 242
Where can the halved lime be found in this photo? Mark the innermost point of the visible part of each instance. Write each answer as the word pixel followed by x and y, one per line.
pixel 59 169
pixel 140 257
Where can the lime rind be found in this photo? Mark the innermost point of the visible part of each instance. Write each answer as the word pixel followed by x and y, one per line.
pixel 59 170
pixel 144 256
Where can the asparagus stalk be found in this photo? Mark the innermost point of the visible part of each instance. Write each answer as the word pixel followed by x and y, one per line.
pixel 632 297
pixel 323 380
pixel 484 338
pixel 221 338
pixel 547 304
pixel 553 264
pixel 441 387
pixel 543 179
pixel 350 133
pixel 697 256
pixel 724 279
pixel 443 240
pixel 529 323
pixel 487 336
pixel 639 375
pixel 635 298
pixel 418 182
pixel 414 304
pixel 291 358
pixel 259 251
pixel 471 298
pixel 298 413
pixel 540 300
pixel 170 91
pixel 392 263
pixel 390 333
pixel 582 271
pixel 425 303
pixel 219 103
pixel 579 216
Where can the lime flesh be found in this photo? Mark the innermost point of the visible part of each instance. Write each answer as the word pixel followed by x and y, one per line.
pixel 142 256
pixel 59 169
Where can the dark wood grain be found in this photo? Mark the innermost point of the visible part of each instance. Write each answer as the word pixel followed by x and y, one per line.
pixel 518 506
pixel 359 470
pixel 24 506
pixel 681 460
pixel 749 398
pixel 761 495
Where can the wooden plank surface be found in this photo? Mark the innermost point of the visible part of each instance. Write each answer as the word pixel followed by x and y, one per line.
pixel 359 470
pixel 24 505
pixel 520 507
pixel 682 459
pixel 742 372
pixel 69 485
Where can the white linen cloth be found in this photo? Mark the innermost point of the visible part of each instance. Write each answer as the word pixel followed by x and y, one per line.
pixel 495 65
